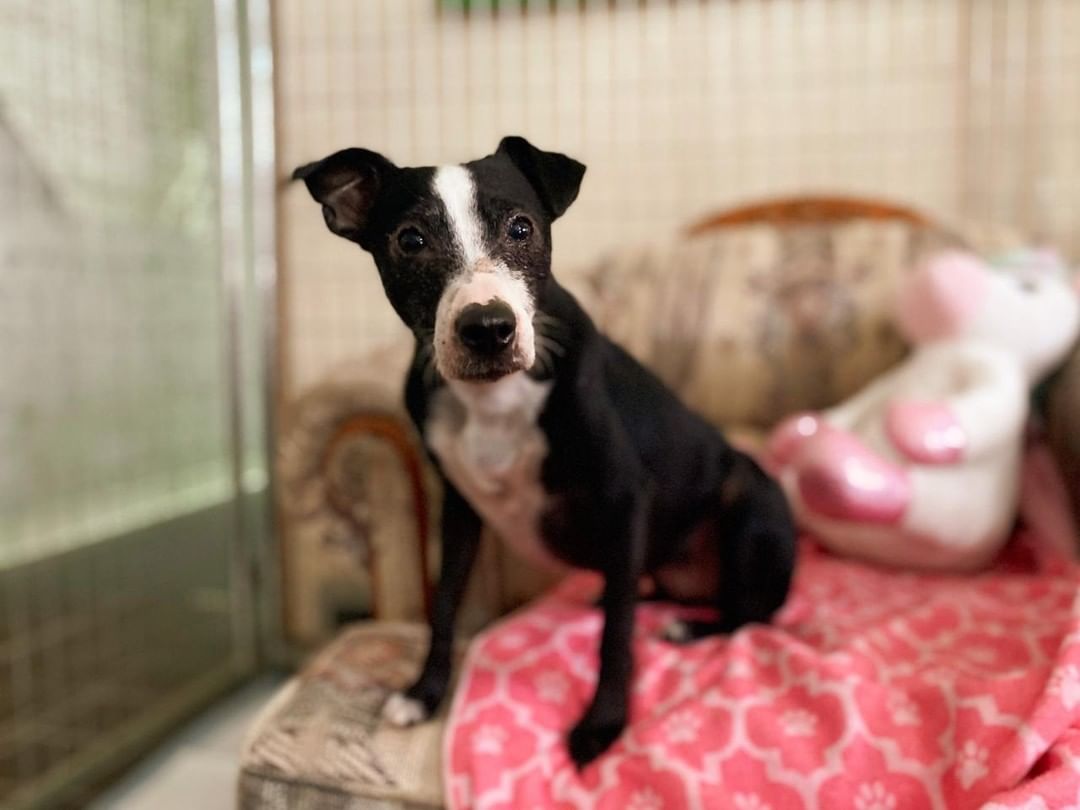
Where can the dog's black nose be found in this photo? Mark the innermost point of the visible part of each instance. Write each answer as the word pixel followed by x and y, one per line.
pixel 486 328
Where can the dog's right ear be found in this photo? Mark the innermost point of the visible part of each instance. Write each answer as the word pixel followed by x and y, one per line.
pixel 346 184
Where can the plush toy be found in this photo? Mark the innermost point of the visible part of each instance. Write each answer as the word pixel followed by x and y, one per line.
pixel 922 467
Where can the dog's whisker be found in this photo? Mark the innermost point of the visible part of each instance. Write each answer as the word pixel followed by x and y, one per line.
pixel 546 365
pixel 430 373
pixel 539 359
pixel 545 321
pixel 551 345
pixel 555 334
pixel 548 338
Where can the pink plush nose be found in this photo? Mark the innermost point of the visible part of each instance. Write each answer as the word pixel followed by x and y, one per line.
pixel 941 296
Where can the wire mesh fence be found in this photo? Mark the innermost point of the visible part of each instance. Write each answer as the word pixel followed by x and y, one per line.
pixel 117 494
pixel 964 108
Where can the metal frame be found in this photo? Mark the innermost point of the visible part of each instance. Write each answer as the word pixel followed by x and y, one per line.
pixel 69 721
pixel 231 171
pixel 249 280
pixel 263 207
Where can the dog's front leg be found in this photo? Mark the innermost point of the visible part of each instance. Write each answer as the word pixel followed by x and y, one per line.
pixel 460 539
pixel 606 716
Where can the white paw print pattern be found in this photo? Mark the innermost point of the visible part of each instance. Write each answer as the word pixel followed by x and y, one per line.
pixel 971 764
pixel 740 668
pixel 764 657
pixel 874 796
pixel 713 698
pixel 513 641
pixel 939 676
pixel 1066 685
pixel 682 727
pixel 798 723
pixel 903 710
pixel 982 654
pixel 551 687
pixel 489 740
pixel 646 799
pixel 750 801
pixel 1034 803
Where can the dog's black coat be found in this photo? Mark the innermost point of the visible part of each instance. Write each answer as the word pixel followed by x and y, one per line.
pixel 636 483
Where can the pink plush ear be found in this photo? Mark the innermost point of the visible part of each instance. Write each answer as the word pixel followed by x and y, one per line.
pixel 941 296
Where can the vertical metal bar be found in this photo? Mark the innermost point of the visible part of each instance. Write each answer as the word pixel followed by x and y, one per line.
pixel 265 272
pixel 231 206
pixel 1028 203
pixel 964 197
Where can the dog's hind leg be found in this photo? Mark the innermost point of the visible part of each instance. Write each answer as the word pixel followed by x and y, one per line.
pixel 754 535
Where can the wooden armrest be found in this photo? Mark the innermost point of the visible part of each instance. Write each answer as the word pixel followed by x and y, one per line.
pixel 807 210
pixel 392 430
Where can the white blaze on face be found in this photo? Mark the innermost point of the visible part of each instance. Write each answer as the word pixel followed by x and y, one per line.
pixel 454 186
pixel 478 279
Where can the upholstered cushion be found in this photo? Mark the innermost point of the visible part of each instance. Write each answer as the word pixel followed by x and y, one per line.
pixel 348 465
pixel 320 744
pixel 752 322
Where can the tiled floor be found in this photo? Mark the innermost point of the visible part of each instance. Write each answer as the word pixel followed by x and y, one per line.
pixel 197 767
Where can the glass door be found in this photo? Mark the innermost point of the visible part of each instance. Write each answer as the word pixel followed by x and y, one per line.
pixel 130 492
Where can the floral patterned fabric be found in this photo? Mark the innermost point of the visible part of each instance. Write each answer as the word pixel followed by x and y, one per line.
pixel 875 690
pixel 321 743
pixel 799 317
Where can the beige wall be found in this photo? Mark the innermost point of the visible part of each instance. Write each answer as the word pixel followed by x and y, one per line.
pixel 966 108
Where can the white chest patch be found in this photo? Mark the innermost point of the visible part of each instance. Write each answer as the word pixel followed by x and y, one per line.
pixel 490 446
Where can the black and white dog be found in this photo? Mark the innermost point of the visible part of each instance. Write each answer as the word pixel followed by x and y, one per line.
pixel 542 427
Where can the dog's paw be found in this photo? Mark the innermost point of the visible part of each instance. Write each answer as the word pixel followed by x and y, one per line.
pixel 402 711
pixel 680 631
pixel 677 632
pixel 590 738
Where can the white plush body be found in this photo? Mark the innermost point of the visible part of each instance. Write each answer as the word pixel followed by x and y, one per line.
pixel 983 339
pixel 959 513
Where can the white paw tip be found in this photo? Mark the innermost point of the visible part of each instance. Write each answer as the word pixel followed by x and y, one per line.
pixel 676 631
pixel 402 711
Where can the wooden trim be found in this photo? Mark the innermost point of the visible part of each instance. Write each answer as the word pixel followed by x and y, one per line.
pixel 807 210
pixel 389 429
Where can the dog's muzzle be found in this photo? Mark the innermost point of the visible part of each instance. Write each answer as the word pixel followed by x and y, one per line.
pixel 483 326
pixel 486 330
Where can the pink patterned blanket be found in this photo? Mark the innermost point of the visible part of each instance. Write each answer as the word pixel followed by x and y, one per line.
pixel 875 690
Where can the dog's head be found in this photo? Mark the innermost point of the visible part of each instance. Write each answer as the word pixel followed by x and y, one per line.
pixel 463 251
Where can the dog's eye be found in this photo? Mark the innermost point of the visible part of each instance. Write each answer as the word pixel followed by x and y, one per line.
pixel 519 229
pixel 410 240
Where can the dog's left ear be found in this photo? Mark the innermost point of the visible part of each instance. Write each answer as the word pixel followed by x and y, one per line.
pixel 555 177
